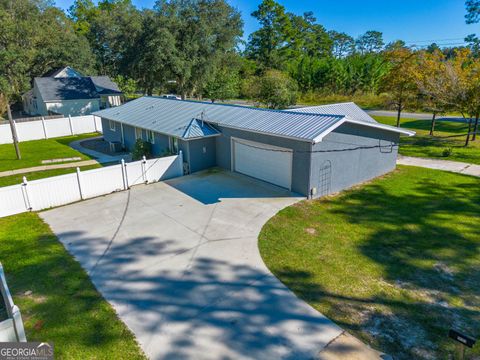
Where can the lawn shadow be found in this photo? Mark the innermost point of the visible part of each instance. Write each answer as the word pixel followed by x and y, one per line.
pixel 423 254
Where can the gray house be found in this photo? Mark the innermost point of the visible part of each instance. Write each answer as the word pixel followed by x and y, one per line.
pixel 65 91
pixel 313 151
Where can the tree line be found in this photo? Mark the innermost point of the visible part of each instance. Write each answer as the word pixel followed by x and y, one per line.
pixel 195 48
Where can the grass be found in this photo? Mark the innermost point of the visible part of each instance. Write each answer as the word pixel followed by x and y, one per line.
pixel 396 262
pixel 18 179
pixel 64 307
pixel 448 135
pixel 33 152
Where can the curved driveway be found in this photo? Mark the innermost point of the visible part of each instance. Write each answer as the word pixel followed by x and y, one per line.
pixel 179 262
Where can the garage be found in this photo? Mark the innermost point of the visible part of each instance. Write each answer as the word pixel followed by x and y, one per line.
pixel 265 162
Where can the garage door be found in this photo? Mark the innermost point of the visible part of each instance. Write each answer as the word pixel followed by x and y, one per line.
pixel 265 162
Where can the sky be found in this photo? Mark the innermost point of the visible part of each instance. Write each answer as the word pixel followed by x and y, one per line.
pixel 417 22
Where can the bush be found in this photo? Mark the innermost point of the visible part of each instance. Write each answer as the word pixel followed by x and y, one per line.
pixel 447 152
pixel 140 149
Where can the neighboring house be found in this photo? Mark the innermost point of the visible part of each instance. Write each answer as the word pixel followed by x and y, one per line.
pixel 312 152
pixel 65 91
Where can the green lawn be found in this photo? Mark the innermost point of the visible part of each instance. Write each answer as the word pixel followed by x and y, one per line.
pixel 448 135
pixel 33 152
pixel 396 262
pixel 64 307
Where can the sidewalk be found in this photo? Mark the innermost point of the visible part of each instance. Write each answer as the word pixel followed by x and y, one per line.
pixel 446 165
pixel 48 167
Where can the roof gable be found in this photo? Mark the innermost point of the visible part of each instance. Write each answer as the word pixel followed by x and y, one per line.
pixel 349 109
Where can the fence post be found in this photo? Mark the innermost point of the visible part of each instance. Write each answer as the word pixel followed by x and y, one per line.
pixel 95 123
pixel 144 169
pixel 71 125
pixel 44 128
pixel 79 183
pixel 26 196
pixel 180 161
pixel 16 130
pixel 124 174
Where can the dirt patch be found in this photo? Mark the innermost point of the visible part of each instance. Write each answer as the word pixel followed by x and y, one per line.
pixel 310 231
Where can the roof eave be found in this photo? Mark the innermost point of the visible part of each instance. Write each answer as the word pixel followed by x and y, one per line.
pixel 383 127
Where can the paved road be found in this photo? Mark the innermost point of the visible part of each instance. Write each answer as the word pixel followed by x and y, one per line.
pixel 408 115
pixel 446 165
pixel 184 272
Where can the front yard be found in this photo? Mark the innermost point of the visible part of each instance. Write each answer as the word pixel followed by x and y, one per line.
pixel 33 152
pixel 59 304
pixel 396 262
pixel 448 135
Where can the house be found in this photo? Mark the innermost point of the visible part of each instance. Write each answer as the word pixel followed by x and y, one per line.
pixel 313 151
pixel 65 91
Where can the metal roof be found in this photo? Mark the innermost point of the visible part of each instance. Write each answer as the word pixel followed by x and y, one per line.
pixel 199 128
pixel 67 88
pixel 349 109
pixel 171 117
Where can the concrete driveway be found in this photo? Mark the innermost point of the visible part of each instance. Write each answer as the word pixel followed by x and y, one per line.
pixel 179 262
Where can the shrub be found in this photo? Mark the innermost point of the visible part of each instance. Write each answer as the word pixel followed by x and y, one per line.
pixel 447 152
pixel 141 148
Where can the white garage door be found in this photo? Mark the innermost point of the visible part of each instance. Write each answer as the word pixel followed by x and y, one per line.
pixel 269 163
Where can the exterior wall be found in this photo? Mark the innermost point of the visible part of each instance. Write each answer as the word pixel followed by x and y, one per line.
pixel 335 171
pixel 202 154
pixel 301 154
pixel 73 107
pixel 111 135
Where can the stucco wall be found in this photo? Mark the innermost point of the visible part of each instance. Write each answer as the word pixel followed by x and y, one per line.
pixel 74 107
pixel 348 168
pixel 202 154
pixel 301 155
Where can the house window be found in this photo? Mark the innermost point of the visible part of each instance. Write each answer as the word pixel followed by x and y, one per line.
pixel 151 137
pixel 173 144
pixel 111 125
pixel 138 133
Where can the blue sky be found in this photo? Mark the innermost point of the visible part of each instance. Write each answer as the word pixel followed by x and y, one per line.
pixel 415 21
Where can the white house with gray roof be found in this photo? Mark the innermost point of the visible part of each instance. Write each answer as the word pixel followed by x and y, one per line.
pixel 65 91
pixel 311 152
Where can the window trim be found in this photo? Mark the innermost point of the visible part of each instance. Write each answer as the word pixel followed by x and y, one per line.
pixel 151 136
pixel 110 123
pixel 173 144
pixel 137 136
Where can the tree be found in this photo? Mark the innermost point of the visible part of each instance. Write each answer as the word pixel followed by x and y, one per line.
pixel 203 31
pixel 275 90
pixel 265 43
pixel 371 41
pixel 342 44
pixel 225 81
pixel 400 82
pixel 433 83
pixel 473 11
pixel 32 41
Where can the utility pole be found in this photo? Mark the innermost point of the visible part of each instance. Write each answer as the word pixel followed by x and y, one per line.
pixel 14 131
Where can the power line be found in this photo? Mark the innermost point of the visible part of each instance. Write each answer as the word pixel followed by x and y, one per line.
pixel 386 147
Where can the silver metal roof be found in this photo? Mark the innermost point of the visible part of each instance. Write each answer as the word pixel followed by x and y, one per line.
pixel 198 128
pixel 349 109
pixel 171 117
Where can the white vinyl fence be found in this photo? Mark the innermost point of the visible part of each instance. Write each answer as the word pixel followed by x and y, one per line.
pixel 50 128
pixel 11 329
pixel 64 189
